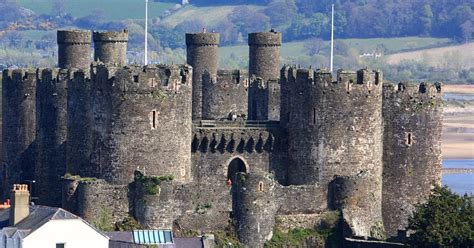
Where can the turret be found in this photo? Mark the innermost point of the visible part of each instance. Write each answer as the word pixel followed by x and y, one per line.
pixel 74 49
pixel 412 117
pixel 111 47
pixel 254 207
pixel 19 126
pixel 225 97
pixel 51 134
pixel 145 113
pixel 264 72
pixel 202 55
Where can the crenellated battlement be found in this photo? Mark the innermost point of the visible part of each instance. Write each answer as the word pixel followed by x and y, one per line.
pixel 74 37
pixel 135 79
pixel 265 39
pixel 110 36
pixel 202 39
pixel 414 90
pixel 14 76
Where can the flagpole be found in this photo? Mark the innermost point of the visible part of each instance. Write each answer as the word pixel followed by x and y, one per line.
pixel 332 38
pixel 146 32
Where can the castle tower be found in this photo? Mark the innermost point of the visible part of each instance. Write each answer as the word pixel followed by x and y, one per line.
pixel 202 55
pixel 335 128
pixel 254 208
pixel 79 121
pixel 51 134
pixel 412 149
pixel 111 47
pixel 226 96
pixel 19 127
pixel 142 121
pixel 264 73
pixel 74 49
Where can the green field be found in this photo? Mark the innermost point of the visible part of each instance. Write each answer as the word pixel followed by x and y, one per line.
pixel 113 9
pixel 296 51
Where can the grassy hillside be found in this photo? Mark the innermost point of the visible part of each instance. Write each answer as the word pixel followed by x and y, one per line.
pixel 457 57
pixel 203 14
pixel 291 51
pixel 113 9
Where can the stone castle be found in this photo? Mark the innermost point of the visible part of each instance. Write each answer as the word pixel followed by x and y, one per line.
pixel 192 147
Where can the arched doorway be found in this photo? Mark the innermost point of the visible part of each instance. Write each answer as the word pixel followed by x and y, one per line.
pixel 236 165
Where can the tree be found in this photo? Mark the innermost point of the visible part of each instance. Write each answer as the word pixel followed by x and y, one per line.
pixel 445 220
pixel 467 29
pixel 281 12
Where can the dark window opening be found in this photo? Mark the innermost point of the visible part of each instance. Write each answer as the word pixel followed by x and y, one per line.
pixel 409 139
pixel 135 78
pixel 314 115
pixel 62 245
pixel 235 166
pixel 260 186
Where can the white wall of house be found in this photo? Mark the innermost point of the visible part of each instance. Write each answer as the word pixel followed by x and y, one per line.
pixel 73 233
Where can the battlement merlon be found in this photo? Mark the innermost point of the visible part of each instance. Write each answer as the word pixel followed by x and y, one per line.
pixel 363 76
pixel 73 37
pixel 232 76
pixel 414 90
pixel 202 39
pixel 19 75
pixel 171 79
pixel 265 39
pixel 110 36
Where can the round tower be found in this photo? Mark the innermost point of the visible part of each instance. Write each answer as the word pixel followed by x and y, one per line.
pixel 142 121
pixel 19 127
pixel 202 55
pixel 79 121
pixel 254 207
pixel 264 55
pixel 111 47
pixel 264 73
pixel 335 128
pixel 412 149
pixel 51 135
pixel 74 49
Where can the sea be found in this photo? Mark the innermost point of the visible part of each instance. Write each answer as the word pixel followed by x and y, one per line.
pixel 459 183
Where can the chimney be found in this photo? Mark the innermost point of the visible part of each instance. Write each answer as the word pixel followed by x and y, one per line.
pixel 20 203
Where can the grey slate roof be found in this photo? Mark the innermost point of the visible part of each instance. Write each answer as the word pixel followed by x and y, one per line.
pixel 39 215
pixel 125 240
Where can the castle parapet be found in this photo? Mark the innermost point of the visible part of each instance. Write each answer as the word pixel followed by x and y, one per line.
pixel 202 39
pixel 225 97
pixel 111 47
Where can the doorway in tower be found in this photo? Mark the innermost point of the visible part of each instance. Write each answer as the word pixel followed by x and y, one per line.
pixel 236 165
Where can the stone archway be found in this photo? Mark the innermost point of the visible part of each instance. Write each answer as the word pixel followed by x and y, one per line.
pixel 236 165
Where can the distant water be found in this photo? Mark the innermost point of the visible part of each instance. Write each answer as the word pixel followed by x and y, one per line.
pixel 459 183
pixel 457 96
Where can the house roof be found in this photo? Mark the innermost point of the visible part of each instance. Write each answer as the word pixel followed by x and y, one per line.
pixel 125 239
pixel 39 215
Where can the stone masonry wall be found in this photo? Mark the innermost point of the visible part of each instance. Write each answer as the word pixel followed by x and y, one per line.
pixel 412 149
pixel 19 127
pixel 142 121
pixel 74 49
pixel 226 96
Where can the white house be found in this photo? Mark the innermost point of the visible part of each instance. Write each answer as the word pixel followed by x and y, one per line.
pixel 25 226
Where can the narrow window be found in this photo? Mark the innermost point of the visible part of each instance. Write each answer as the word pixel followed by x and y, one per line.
pixel 135 78
pixel 314 116
pixel 154 120
pixel 60 245
pixel 409 139
pixel 153 117
pixel 260 186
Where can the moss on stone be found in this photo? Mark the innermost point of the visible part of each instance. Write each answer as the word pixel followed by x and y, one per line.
pixel 69 176
pixel 151 184
pixel 104 222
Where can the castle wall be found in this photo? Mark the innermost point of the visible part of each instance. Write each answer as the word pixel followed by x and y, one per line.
pixel 74 49
pixel 99 201
pixel 142 121
pixel 111 47
pixel 203 55
pixel 264 73
pixel 226 96
pixel 51 134
pixel 79 121
pixel 19 127
pixel 412 149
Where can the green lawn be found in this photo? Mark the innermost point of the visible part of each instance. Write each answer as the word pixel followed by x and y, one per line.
pixel 113 9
